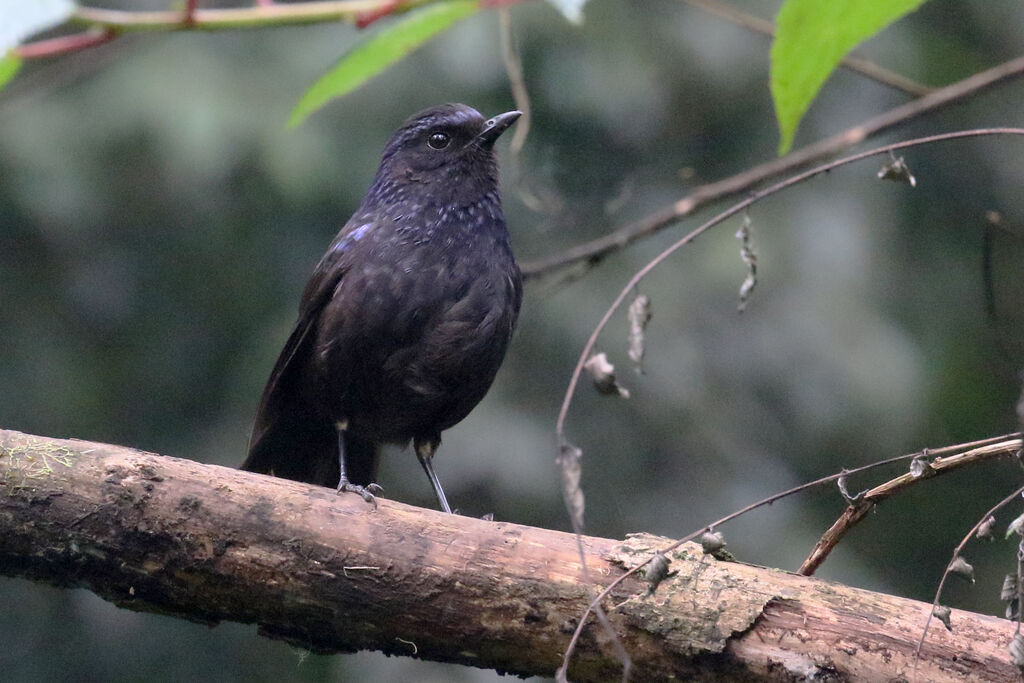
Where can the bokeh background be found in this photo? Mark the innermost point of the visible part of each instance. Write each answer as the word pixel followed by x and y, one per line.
pixel 158 223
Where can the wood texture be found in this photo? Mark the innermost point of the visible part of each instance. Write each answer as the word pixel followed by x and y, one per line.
pixel 333 574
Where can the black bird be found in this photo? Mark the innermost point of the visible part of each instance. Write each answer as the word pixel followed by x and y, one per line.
pixel 406 318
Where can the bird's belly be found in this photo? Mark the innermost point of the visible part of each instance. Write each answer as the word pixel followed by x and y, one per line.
pixel 411 366
pixel 419 390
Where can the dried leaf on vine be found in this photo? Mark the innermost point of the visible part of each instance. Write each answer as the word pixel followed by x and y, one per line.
pixel 1016 648
pixel 850 500
pixel 919 466
pixel 603 374
pixel 569 464
pixel 749 257
pixel 897 171
pixel 656 572
pixel 985 529
pixel 712 542
pixel 941 612
pixel 1016 527
pixel 1009 590
pixel 639 316
pixel 962 568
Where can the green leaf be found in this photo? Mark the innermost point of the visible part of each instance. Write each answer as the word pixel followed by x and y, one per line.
pixel 19 19
pixel 811 38
pixel 9 66
pixel 379 52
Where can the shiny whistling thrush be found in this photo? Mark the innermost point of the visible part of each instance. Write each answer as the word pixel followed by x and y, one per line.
pixel 406 318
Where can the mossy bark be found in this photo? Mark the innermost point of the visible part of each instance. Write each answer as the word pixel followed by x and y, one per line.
pixel 333 574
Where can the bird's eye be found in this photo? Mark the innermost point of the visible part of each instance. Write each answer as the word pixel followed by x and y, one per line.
pixel 439 140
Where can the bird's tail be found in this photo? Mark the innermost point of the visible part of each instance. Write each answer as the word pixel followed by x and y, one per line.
pixel 301 447
pixel 294 446
pixel 290 438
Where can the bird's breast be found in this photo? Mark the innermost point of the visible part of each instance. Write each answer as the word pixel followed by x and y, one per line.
pixel 417 328
pixel 430 302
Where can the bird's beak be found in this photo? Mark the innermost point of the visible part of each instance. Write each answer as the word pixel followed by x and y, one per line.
pixel 496 126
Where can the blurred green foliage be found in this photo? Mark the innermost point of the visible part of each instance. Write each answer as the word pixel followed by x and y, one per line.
pixel 9 67
pixel 376 54
pixel 158 222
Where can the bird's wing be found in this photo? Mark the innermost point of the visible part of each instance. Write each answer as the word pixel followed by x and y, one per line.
pixel 280 404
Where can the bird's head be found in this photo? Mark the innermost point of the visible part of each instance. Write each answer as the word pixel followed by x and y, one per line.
pixel 448 151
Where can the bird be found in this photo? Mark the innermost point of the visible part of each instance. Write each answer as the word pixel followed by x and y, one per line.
pixel 406 318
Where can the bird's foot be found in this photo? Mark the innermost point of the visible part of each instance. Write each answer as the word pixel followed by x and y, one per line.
pixel 367 492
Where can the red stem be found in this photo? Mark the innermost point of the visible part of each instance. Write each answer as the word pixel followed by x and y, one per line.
pixel 64 44
pixel 364 19
pixel 500 3
pixel 190 13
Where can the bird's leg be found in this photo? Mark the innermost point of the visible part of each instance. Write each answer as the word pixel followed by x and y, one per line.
pixel 425 453
pixel 344 485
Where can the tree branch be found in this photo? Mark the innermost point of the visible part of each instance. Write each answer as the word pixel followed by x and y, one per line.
pixel 332 574
pixel 257 16
pixel 105 25
pixel 865 503
pixel 595 250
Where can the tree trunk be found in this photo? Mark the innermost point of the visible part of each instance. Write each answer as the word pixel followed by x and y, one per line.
pixel 333 574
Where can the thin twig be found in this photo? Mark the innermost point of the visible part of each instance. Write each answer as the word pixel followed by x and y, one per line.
pixel 857 64
pixel 514 69
pixel 857 511
pixel 597 249
pixel 956 553
pixel 521 96
pixel 761 503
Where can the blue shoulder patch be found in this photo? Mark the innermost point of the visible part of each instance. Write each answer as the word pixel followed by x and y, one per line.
pixel 353 236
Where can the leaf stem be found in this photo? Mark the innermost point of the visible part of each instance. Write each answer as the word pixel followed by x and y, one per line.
pixel 232 17
pixel 64 44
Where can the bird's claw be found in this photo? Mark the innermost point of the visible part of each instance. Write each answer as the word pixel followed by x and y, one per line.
pixel 367 492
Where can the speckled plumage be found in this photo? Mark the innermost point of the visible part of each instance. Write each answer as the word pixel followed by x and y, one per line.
pixel 406 318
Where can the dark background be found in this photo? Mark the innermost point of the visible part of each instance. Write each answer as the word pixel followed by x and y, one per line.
pixel 158 222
